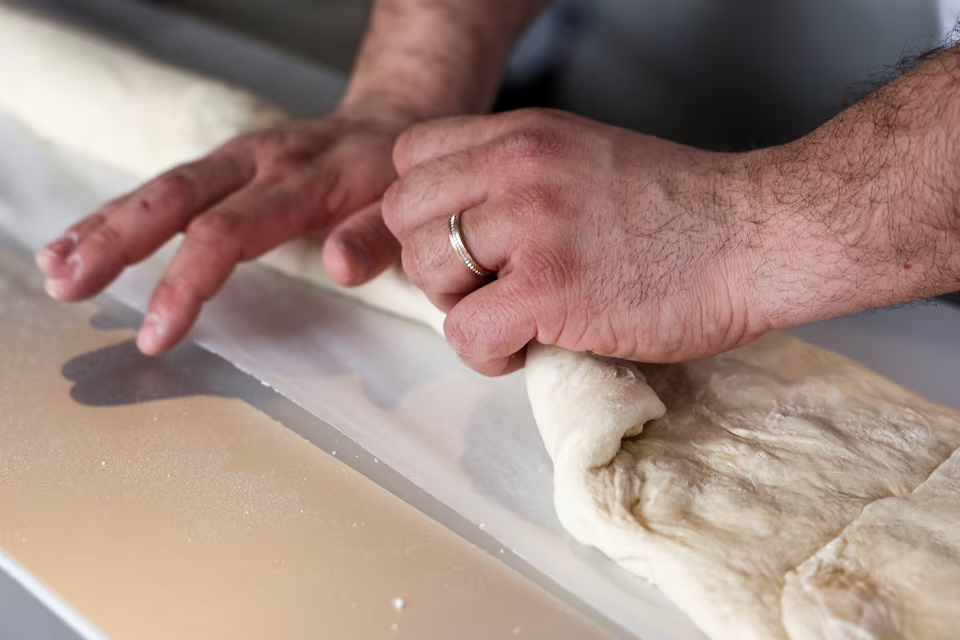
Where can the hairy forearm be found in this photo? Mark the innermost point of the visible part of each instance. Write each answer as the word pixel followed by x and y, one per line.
pixel 431 58
pixel 865 211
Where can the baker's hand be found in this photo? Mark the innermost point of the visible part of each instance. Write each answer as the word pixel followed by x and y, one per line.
pixel 601 239
pixel 320 177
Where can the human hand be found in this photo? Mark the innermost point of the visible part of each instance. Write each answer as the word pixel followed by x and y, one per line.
pixel 321 178
pixel 602 239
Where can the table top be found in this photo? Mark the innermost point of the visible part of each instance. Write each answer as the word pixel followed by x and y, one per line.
pixel 161 498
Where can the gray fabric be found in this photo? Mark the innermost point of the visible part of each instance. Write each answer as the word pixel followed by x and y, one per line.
pixel 734 73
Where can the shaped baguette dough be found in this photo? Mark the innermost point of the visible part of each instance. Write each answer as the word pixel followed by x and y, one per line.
pixel 753 462
pixel 112 103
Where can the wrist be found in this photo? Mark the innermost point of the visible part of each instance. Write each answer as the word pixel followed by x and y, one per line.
pixel 754 261
pixel 842 236
pixel 431 59
pixel 381 109
pixel 400 94
pixel 800 259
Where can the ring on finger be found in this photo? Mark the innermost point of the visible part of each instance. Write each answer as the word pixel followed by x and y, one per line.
pixel 456 239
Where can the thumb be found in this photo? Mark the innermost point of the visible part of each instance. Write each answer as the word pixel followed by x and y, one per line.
pixel 490 328
pixel 360 247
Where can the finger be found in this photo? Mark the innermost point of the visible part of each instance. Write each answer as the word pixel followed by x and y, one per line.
pixel 440 137
pixel 444 136
pixel 491 326
pixel 499 367
pixel 242 227
pixel 525 129
pixel 196 272
pixel 53 259
pixel 360 248
pixel 433 264
pixel 94 252
pixel 439 188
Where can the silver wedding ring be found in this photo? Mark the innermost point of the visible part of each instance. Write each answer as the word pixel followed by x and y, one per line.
pixel 456 239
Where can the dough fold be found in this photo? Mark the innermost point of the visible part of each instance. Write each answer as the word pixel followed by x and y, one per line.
pixel 763 456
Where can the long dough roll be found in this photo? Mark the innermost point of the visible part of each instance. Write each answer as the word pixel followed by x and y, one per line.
pixel 113 103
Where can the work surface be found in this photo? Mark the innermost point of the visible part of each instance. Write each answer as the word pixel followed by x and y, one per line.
pixel 158 504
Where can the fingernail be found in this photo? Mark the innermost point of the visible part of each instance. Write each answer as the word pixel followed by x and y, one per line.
pixel 64 273
pixel 359 258
pixel 148 340
pixel 55 288
pixel 61 247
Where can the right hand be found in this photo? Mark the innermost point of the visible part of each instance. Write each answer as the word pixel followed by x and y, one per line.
pixel 321 177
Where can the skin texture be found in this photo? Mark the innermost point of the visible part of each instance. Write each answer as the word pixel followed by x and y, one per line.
pixel 630 246
pixel 251 195
pixel 320 177
pixel 867 207
pixel 603 239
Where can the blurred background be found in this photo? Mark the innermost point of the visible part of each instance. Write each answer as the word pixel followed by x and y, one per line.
pixel 724 74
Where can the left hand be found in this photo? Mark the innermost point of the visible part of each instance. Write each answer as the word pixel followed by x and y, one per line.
pixel 601 239
pixel 319 178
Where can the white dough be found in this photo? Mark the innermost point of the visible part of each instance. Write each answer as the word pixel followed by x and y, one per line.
pixel 893 573
pixel 390 292
pixel 763 455
pixel 114 104
pixel 777 491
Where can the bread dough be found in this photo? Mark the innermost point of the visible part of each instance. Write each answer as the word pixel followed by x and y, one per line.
pixel 763 455
pixel 112 103
pixel 721 480
pixel 893 573
pixel 391 292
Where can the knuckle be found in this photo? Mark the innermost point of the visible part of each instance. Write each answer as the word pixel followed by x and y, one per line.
pixel 459 336
pixel 392 207
pixel 427 257
pixel 293 157
pixel 534 116
pixel 107 210
pixel 167 293
pixel 541 201
pixel 174 191
pixel 411 267
pixel 524 144
pixel 420 260
pixel 80 230
pixel 106 243
pixel 177 294
pixel 533 145
pixel 404 145
pixel 339 192
pixel 482 336
pixel 217 229
pixel 543 272
pixel 281 154
pixel 425 264
pixel 269 142
pixel 194 287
